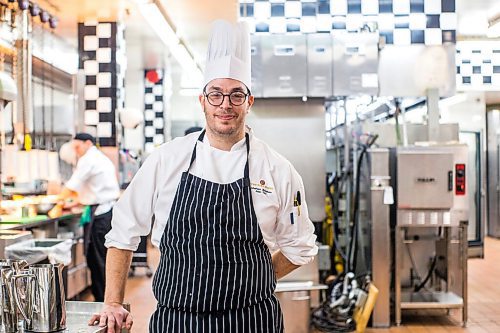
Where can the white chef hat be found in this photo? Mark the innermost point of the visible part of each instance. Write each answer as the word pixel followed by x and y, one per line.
pixel 228 54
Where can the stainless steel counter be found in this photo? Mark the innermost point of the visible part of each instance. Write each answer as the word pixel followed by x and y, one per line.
pixel 77 317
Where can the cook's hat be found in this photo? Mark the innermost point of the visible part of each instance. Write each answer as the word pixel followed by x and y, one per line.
pixel 228 54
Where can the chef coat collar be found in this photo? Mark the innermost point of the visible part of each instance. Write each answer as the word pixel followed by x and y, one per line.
pixel 238 145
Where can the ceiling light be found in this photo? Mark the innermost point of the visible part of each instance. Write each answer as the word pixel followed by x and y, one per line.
pixel 155 14
pixel 154 17
pixel 494 26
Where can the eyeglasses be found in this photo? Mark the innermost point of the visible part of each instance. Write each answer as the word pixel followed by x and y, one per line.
pixel 216 98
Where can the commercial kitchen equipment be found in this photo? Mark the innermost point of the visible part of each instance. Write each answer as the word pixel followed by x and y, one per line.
pixel 431 228
pixel 37 250
pixel 286 55
pixel 493 123
pixel 476 172
pixel 257 66
pixel 319 65
pixel 79 313
pixel 355 63
pixel 9 237
pixel 380 198
pixel 44 308
pixel 296 130
pixel 9 314
pixel 77 280
pixel 297 293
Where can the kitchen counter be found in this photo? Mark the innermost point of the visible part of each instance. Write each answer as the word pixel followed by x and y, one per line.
pixel 45 227
pixel 78 315
pixel 36 221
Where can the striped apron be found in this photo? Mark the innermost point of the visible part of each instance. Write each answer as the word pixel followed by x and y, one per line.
pixel 215 272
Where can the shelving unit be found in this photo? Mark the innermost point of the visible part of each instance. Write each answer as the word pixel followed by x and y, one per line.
pixel 453 295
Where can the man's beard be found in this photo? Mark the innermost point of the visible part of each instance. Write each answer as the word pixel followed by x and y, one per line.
pixel 228 132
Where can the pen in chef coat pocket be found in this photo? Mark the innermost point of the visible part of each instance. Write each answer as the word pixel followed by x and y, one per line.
pixel 298 203
pixel 291 217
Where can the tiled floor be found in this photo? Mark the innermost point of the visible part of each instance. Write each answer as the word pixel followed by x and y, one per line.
pixel 484 299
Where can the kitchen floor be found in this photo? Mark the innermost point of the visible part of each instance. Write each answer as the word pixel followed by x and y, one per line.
pixel 484 299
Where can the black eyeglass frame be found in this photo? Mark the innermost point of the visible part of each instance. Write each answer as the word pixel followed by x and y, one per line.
pixel 228 96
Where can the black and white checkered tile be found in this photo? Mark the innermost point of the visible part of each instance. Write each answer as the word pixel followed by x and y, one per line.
pixel 154 121
pixel 121 67
pixel 401 22
pixel 102 60
pixel 478 65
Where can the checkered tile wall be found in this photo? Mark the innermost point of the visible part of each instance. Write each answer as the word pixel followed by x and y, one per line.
pixel 401 22
pixel 101 53
pixel 478 65
pixel 154 122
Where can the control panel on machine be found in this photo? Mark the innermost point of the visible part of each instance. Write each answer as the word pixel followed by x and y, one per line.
pixel 459 179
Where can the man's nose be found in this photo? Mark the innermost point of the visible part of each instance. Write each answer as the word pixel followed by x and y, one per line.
pixel 226 104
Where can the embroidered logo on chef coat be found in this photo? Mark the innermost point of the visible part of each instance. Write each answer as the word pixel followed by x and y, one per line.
pixel 261 187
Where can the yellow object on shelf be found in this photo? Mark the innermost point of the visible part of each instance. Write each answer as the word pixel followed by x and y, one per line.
pixel 362 314
pixel 27 142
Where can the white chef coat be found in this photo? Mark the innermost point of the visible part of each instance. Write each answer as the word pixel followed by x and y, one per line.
pixel 94 179
pixel 273 179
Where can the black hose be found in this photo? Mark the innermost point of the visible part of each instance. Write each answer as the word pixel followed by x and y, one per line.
pixel 428 276
pixel 338 183
pixel 353 249
pixel 353 244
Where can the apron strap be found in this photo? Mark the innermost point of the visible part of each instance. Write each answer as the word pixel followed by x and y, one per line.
pixel 193 155
pixel 246 173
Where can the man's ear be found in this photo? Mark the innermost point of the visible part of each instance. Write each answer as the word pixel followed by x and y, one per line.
pixel 251 99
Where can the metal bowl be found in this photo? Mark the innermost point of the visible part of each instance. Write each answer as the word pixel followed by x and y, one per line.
pixel 44 207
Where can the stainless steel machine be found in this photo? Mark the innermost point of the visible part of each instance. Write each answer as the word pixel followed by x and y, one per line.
pixel 431 228
pixel 381 199
pixel 493 167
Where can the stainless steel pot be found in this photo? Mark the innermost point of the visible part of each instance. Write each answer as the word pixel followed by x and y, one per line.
pixel 9 314
pixel 44 309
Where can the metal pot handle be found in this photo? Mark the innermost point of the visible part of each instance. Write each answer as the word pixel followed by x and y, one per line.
pixel 16 294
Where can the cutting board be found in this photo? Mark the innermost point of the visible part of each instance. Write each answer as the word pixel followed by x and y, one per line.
pixel 9 219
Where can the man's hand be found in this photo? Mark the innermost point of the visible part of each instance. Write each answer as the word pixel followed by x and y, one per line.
pixel 69 204
pixel 114 316
pixel 282 266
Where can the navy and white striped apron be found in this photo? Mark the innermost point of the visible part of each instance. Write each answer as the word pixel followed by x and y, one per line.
pixel 215 272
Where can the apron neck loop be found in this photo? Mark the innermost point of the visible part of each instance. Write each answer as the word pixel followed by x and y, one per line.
pixel 246 174
pixel 193 155
pixel 247 142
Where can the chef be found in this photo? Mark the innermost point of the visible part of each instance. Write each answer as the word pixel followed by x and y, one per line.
pixel 222 202
pixel 95 185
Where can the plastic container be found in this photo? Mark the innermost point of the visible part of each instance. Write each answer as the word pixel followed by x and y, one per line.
pixel 36 250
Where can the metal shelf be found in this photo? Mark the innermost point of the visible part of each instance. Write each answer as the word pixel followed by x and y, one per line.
pixel 455 296
pixel 431 300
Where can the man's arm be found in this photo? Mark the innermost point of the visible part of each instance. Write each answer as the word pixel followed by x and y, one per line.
pixel 282 266
pixel 113 314
pixel 66 193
